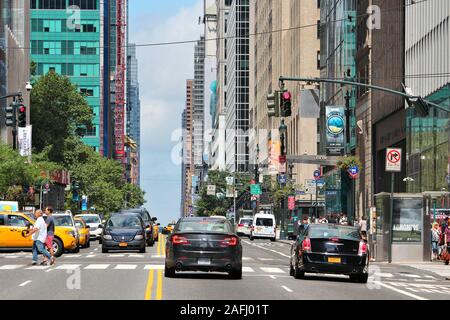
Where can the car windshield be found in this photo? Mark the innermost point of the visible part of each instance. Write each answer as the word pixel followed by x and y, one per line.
pixel 124 221
pixel 246 221
pixel 63 221
pixel 334 231
pixel 91 219
pixel 264 222
pixel 79 224
pixel 206 225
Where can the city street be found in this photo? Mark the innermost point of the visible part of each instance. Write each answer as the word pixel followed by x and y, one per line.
pixel 92 275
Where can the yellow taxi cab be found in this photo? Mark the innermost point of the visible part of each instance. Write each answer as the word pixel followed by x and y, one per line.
pixel 169 228
pixel 83 231
pixel 156 231
pixel 13 231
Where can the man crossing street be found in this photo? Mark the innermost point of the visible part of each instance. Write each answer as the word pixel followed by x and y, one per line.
pixel 39 234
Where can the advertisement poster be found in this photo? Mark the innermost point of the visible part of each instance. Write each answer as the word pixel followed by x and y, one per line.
pixel 24 137
pixel 274 155
pixel 335 128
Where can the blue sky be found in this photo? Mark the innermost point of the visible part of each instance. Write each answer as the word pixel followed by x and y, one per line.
pixel 162 77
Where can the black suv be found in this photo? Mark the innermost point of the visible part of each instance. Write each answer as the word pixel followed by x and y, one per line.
pixel 148 221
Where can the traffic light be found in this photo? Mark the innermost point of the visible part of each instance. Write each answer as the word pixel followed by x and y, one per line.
pixel 22 116
pixel 10 118
pixel 286 104
pixel 273 104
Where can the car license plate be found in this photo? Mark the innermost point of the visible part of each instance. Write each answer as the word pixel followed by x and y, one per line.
pixel 123 244
pixel 334 260
pixel 204 262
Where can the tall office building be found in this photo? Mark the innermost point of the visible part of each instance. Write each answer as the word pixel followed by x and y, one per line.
pixel 237 97
pixel 187 167
pixel 133 114
pixel 14 57
pixel 199 104
pixel 427 68
pixel 66 38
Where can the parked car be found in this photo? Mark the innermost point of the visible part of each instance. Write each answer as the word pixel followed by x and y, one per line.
pixel 13 228
pixel 204 244
pixel 244 227
pixel 148 221
pixel 93 221
pixel 125 231
pixel 83 231
pixel 263 227
pixel 331 249
pixel 66 223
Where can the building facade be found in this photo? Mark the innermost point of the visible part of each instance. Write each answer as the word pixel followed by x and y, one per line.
pixel 237 94
pixel 187 167
pixel 14 57
pixel 133 114
pixel 66 38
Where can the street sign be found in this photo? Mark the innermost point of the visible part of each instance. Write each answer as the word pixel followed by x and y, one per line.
pixel 230 181
pixel 353 171
pixel 393 160
pixel 282 179
pixel 211 191
pixel 255 189
pixel 317 174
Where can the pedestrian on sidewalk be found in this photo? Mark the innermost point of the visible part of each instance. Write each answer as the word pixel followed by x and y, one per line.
pixel 50 221
pixel 39 236
pixel 435 238
pixel 446 254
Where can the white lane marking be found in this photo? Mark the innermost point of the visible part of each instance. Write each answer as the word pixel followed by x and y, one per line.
pixel 38 268
pixel 272 270
pixel 72 256
pixel 400 291
pixel 287 289
pixel 383 275
pixel 25 283
pixel 11 257
pixel 247 269
pixel 11 267
pixel 97 267
pixel 265 259
pixel 159 256
pixel 137 256
pixel 125 267
pixel 246 258
pixel 91 256
pixel 273 277
pixel 68 267
pixel 154 267
pixel 116 255
pixel 424 280
pixel 96 249
pixel 411 275
pixel 258 246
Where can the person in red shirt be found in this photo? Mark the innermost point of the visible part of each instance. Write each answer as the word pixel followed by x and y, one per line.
pixel 447 240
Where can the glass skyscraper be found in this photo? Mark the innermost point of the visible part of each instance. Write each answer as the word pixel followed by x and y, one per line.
pixel 66 38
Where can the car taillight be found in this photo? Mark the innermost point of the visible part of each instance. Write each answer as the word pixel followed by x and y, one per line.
pixel 229 242
pixel 176 240
pixel 240 225
pixel 362 248
pixel 306 245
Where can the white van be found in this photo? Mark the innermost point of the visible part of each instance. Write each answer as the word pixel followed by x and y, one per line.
pixel 264 226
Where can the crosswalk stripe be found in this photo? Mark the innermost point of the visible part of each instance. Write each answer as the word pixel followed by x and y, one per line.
pixel 11 267
pixel 272 270
pixel 136 256
pixel 116 255
pixel 266 259
pixel 246 258
pixel 159 256
pixel 247 269
pixel 72 256
pixel 383 275
pixel 91 256
pixel 38 268
pixel 125 267
pixel 154 267
pixel 411 275
pixel 68 267
pixel 97 267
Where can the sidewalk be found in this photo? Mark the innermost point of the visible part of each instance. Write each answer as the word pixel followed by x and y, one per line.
pixel 436 267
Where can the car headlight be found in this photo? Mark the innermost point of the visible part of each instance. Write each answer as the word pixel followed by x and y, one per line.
pixel 139 237
pixel 107 237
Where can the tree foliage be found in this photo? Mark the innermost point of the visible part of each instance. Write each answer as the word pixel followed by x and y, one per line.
pixel 58 110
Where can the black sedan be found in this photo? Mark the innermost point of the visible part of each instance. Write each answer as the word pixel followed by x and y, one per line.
pixel 331 249
pixel 204 244
pixel 124 232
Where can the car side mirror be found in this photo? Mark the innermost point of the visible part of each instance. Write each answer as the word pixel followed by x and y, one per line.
pixel 101 226
pixel 103 221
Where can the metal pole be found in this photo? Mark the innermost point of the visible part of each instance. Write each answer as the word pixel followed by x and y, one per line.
pixel 391 218
pixel 434 212
pixel 317 202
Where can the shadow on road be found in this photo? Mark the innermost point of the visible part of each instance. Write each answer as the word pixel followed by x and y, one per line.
pixel 327 279
pixel 202 276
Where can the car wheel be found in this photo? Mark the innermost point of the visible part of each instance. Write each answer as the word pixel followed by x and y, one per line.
pixel 58 247
pixel 77 249
pixel 298 274
pixel 273 239
pixel 236 274
pixel 88 245
pixel 291 270
pixel 104 250
pixel 360 278
pixel 169 272
pixel 100 240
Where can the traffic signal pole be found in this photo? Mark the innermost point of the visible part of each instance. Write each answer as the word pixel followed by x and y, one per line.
pixel 14 124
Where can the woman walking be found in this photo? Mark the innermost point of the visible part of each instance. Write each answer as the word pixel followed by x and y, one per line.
pixel 435 237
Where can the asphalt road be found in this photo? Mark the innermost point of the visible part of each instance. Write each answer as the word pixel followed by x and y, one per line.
pixel 92 275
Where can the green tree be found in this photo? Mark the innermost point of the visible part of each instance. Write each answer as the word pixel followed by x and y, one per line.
pixel 58 112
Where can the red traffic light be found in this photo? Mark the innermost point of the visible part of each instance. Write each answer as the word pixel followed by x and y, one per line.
pixel 22 109
pixel 287 95
pixel 282 159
